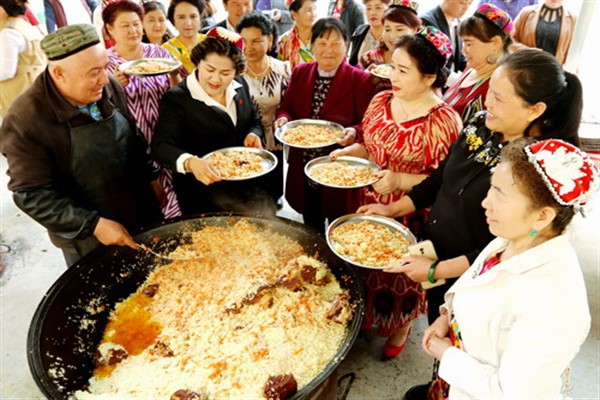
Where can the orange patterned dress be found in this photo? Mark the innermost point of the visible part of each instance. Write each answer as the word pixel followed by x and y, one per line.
pixel 416 147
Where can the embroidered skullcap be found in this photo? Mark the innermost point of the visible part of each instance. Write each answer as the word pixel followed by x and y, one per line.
pixel 496 16
pixel 411 5
pixel 569 173
pixel 69 40
pixel 225 34
pixel 289 3
pixel 438 39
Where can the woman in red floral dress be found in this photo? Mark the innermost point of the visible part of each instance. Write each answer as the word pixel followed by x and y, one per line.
pixel 400 19
pixel 407 132
pixel 486 37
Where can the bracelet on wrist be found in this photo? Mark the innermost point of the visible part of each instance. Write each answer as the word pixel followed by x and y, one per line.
pixel 430 276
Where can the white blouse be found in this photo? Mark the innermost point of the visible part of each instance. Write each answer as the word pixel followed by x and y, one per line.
pixel 521 323
pixel 11 44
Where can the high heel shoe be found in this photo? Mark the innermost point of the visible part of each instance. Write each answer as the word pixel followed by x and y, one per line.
pixel 390 351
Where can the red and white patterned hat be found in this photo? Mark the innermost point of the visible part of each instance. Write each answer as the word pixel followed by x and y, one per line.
pixel 438 39
pixel 225 34
pixel 569 173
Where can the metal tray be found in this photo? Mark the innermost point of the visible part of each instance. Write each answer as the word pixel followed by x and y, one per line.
pixel 280 132
pixel 390 223
pixel 269 160
pixel 353 161
pixel 377 74
pixel 174 64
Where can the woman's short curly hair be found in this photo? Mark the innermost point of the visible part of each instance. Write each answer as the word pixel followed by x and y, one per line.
pixel 260 21
pixel 532 185
pixel 221 47
pixel 112 11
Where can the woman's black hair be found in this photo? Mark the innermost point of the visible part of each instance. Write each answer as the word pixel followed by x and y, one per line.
pixel 261 21
pixel 221 47
pixel 149 7
pixel 297 4
pixel 199 4
pixel 538 77
pixel 325 25
pixel 427 58
pixel 14 8
pixel 484 30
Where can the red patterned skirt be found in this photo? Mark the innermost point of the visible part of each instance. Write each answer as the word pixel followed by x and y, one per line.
pixel 392 300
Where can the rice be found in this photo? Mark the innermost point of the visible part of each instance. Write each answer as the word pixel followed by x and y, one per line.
pixel 254 306
pixel 311 135
pixel 341 173
pixel 370 244
pixel 232 164
pixel 149 67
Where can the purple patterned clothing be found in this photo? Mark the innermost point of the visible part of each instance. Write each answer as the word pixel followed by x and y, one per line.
pixel 143 99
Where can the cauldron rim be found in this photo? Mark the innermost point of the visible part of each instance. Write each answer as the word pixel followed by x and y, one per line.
pixel 35 355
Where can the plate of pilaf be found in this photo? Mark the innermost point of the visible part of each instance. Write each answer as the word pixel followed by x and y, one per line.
pixel 309 133
pixel 369 241
pixel 346 172
pixel 149 66
pixel 241 163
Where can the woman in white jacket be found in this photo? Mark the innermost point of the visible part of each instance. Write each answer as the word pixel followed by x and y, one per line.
pixel 519 315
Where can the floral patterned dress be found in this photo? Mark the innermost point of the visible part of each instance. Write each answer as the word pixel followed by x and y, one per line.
pixel 468 100
pixel 291 48
pixel 143 96
pixel 373 58
pixel 416 147
pixel 266 94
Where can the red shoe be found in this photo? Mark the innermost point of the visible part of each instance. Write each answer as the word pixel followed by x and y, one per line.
pixel 390 351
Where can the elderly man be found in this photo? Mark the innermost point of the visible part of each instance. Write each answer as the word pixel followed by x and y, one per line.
pixel 75 160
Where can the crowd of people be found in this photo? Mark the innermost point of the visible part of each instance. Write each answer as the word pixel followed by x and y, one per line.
pixel 475 132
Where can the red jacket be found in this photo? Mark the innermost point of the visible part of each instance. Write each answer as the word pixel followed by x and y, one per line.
pixel 347 100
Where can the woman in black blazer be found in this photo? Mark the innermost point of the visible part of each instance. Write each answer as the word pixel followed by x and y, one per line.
pixel 210 110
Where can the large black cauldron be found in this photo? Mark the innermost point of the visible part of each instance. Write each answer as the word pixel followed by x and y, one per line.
pixel 69 322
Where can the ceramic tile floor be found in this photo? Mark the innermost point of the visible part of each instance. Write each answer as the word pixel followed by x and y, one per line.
pixel 34 264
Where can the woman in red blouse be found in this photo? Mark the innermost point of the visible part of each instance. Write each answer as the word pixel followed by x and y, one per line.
pixel 486 38
pixel 407 132
pixel 329 89
pixel 400 19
